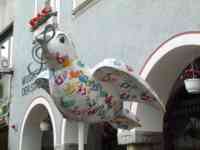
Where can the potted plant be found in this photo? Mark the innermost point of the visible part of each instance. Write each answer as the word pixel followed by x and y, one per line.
pixel 191 77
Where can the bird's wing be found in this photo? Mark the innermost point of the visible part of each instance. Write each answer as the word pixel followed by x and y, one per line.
pixel 120 79
pixel 125 119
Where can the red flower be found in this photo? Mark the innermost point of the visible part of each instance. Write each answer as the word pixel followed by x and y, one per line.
pixel 190 73
pixel 32 23
pixel 145 97
pixel 35 19
pixel 108 100
pixel 44 14
pixel 39 16
pixel 91 111
pixel 46 10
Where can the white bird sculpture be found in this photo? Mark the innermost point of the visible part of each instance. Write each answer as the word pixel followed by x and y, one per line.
pixel 91 95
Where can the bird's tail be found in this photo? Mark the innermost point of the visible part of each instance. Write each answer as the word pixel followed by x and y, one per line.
pixel 125 120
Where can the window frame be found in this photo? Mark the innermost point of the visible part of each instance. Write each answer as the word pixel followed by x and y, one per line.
pixel 7 36
pixel 9 42
pixel 76 8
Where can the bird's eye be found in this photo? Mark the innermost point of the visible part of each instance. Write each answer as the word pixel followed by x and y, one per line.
pixel 62 39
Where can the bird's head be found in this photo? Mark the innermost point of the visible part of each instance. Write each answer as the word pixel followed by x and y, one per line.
pixel 57 48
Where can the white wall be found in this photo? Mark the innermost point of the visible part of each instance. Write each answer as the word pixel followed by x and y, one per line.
pixel 2 15
pixel 6 13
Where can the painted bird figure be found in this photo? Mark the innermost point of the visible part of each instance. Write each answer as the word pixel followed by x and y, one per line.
pixel 91 95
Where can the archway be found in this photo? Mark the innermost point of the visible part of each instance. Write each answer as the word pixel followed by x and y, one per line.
pixel 31 136
pixel 164 66
pixel 168 60
pixel 182 117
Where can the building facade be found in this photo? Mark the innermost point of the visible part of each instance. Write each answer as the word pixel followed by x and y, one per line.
pixel 159 39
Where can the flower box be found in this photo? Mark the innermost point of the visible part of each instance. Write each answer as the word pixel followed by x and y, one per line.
pixel 192 85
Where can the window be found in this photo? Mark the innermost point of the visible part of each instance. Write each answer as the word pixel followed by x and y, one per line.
pixel 1 91
pixel 6 52
pixel 6 63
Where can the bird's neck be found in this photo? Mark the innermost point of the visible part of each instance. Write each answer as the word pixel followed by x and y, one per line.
pixel 74 66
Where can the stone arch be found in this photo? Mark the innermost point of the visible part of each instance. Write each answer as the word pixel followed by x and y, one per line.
pixel 172 56
pixel 38 110
pixel 162 69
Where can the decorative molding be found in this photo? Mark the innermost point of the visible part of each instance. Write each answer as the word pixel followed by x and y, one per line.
pixel 181 39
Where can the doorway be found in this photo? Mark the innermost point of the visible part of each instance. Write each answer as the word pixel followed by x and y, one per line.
pixel 33 136
pixel 3 137
pixel 103 136
pixel 182 117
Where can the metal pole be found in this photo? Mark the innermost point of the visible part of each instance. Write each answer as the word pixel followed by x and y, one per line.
pixel 80 136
